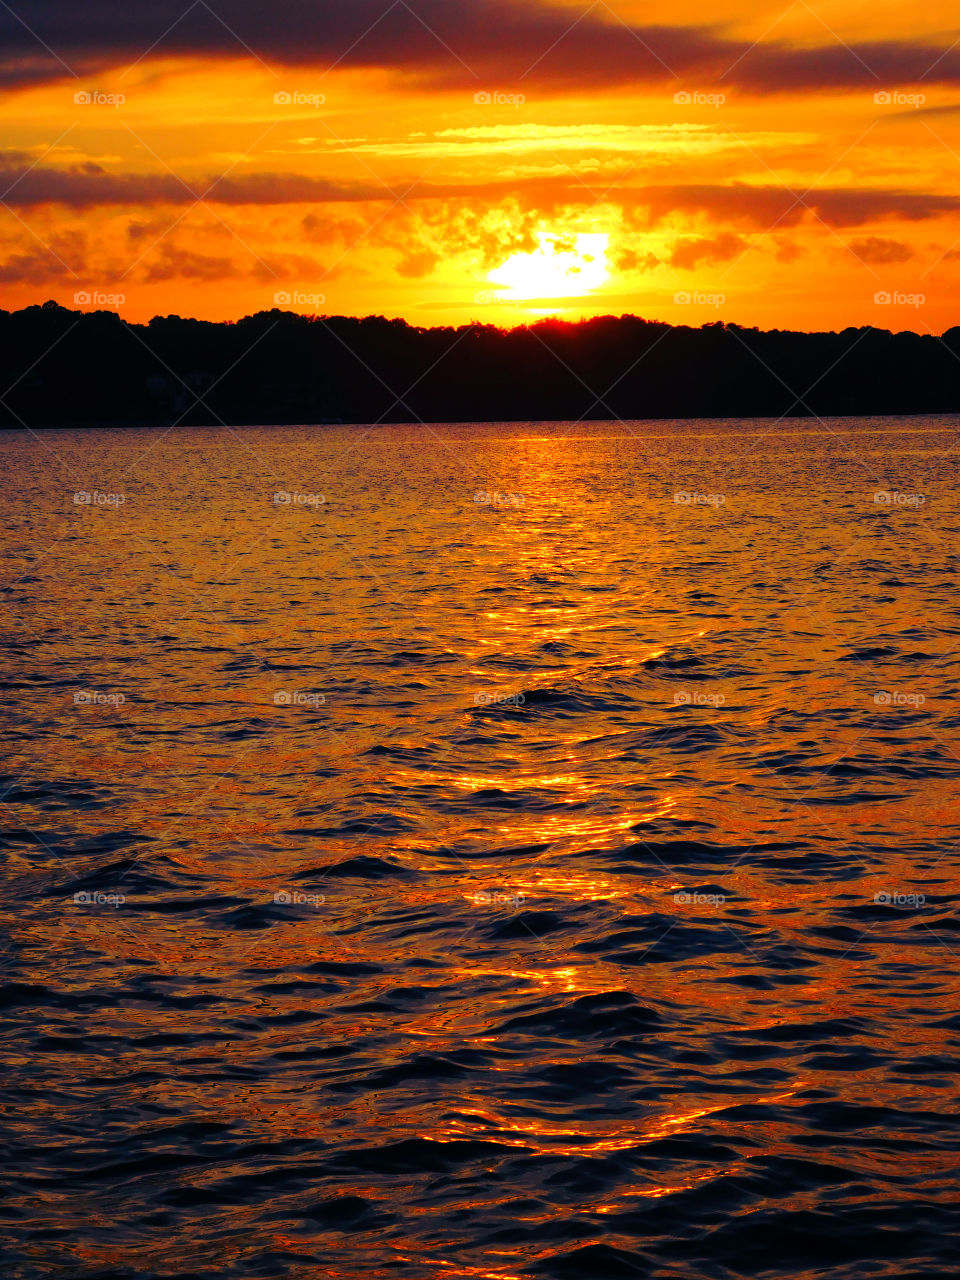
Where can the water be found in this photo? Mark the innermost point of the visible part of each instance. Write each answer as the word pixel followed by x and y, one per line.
pixel 523 872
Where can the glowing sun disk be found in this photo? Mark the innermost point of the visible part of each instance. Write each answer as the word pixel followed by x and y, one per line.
pixel 555 272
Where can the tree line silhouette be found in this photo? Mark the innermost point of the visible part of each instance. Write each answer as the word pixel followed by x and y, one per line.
pixel 69 368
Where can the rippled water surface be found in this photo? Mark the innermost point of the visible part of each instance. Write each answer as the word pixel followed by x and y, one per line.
pixel 537 858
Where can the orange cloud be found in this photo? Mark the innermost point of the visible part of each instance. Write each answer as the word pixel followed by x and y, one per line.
pixel 688 254
pixel 881 252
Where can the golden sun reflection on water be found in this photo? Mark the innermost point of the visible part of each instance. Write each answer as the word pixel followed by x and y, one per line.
pixel 593 924
pixel 595 1139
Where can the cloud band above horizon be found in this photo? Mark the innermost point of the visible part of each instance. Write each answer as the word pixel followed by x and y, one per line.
pixel 437 44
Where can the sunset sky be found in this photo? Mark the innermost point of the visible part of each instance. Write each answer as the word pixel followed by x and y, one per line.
pixel 491 160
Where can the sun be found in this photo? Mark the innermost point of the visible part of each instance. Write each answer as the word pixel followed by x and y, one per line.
pixel 560 267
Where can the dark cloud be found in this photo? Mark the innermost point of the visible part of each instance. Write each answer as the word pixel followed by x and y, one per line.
pixel 514 42
pixel 88 185
pixel 771 206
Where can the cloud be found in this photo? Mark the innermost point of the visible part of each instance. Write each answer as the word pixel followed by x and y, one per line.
pixel 946 109
pixel 435 42
pixel 35 266
pixel 62 255
pixel 787 250
pixel 181 264
pixel 87 185
pixel 634 260
pixel 879 252
pixel 416 264
pixel 320 228
pixel 144 233
pixel 689 253
pixel 681 139
pixel 764 207
pixel 736 204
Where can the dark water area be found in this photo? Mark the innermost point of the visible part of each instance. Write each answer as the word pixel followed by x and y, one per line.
pixel 514 851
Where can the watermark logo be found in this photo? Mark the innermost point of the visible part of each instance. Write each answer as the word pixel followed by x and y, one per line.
pixel 695 98
pixel 298 500
pixel 887 299
pixel 84 298
pixel 686 499
pixel 896 98
pixel 499 499
pixel 496 98
pixel 97 98
pixel 297 299
pixel 496 898
pixel 93 698
pixel 295 98
pixel 699 899
pixel 293 898
pixel 97 499
pixel 98 899
pixel 895 499
pixel 697 698
pixel 898 699
pixel 897 899
pixel 499 699
pixel 299 698
pixel 697 299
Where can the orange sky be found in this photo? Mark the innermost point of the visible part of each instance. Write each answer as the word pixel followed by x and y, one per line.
pixel 485 160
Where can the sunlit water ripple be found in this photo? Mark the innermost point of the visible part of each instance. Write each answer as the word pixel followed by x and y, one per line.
pixel 536 858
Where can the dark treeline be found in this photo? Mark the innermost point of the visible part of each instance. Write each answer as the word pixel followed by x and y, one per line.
pixel 68 368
